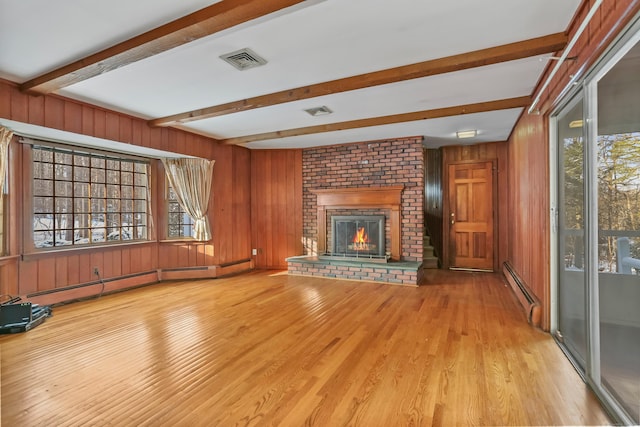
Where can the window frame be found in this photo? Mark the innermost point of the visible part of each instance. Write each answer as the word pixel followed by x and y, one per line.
pixel 29 177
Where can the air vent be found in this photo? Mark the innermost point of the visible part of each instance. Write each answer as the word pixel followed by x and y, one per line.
pixel 319 111
pixel 244 59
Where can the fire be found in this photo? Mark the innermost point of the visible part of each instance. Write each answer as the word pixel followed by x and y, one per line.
pixel 361 240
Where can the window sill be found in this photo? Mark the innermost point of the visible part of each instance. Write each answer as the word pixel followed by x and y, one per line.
pixel 181 241
pixel 8 258
pixel 66 251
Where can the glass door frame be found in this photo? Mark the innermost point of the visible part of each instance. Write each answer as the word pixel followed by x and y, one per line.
pixel 587 89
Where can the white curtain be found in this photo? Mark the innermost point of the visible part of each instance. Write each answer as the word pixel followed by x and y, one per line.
pixel 191 180
pixel 150 225
pixel 5 137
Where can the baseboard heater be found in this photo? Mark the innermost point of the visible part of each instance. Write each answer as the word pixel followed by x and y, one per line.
pixel 87 284
pixel 528 300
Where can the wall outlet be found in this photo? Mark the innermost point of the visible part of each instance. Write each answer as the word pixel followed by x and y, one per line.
pixel 254 252
pixel 96 271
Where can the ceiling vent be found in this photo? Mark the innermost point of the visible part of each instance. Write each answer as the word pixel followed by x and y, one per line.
pixel 244 59
pixel 319 111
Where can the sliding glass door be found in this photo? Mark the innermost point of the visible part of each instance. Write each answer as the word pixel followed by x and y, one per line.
pixel 617 161
pixel 597 135
pixel 572 326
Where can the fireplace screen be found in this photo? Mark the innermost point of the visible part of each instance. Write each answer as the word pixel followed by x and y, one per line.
pixel 358 235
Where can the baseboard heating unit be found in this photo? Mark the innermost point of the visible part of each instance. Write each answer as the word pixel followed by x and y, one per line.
pixel 528 300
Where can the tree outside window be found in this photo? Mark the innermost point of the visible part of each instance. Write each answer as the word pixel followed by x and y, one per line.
pixel 180 223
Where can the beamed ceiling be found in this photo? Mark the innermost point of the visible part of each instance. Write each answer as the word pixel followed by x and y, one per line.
pixel 384 68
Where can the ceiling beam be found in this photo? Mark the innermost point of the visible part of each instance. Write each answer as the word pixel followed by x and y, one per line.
pixel 508 52
pixel 480 107
pixel 204 22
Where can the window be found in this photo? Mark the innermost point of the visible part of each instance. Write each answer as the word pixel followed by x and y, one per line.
pixel 180 223
pixel 82 197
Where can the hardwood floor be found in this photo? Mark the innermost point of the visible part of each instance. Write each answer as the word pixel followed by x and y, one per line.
pixel 270 349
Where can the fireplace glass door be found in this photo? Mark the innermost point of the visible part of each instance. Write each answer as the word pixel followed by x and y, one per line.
pixel 357 236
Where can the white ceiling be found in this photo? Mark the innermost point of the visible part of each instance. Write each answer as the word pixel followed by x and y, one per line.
pixel 313 42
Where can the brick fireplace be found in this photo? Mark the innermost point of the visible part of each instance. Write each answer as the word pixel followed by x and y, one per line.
pixel 380 178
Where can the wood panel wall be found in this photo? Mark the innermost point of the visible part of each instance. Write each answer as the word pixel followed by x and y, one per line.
pixel 528 147
pixel 528 205
pixel 483 152
pixel 276 206
pixel 433 198
pixel 229 208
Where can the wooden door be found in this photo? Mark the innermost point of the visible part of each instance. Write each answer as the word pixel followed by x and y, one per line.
pixel 471 219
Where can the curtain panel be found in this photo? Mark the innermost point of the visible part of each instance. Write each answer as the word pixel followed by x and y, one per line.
pixel 5 137
pixel 191 180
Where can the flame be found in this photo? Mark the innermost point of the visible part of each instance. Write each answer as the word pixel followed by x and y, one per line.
pixel 361 240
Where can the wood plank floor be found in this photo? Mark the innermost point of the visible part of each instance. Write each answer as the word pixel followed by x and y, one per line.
pixel 270 349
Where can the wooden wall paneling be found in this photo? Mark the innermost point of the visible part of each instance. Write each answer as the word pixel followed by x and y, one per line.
pixel 5 100
pixel 136 259
pixel 61 267
pixel 222 200
pixel 9 277
pixel 54 112
pixel 146 258
pixel 72 117
pixel 433 197
pixel 19 108
pixel 126 254
pixel 100 123
pixel 145 137
pixel 190 254
pixel 46 273
pixel 154 255
pixel 169 255
pixel 107 264
pixel 279 240
pixel 528 250
pixel 210 254
pixel 288 204
pixel 85 270
pixel 73 269
pixel 97 260
pixel 294 202
pixel 267 211
pixel 136 132
pixel 36 110
pixel 183 254
pixel 88 120
pixel 172 143
pixel 242 203
pixel 503 203
pixel 276 206
pixel 201 254
pixel 255 195
pixel 112 126
pixel 164 139
pixel 28 272
pixel 125 133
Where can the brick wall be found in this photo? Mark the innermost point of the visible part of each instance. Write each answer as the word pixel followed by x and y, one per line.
pixel 368 164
